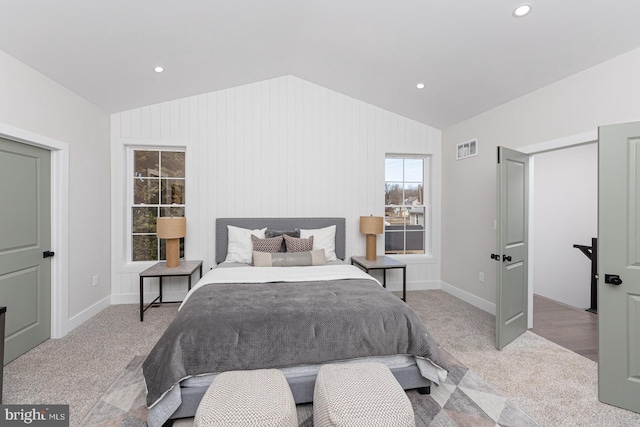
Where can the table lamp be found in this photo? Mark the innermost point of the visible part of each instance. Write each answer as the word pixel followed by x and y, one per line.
pixel 371 225
pixel 172 229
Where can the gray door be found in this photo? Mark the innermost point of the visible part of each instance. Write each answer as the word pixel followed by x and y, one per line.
pixel 25 233
pixel 619 255
pixel 512 245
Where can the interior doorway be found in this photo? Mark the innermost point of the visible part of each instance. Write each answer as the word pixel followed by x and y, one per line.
pixel 566 213
pixel 564 205
pixel 59 221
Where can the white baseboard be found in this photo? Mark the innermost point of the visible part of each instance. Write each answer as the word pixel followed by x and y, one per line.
pixel 414 286
pixel 148 297
pixel 465 296
pixel 88 313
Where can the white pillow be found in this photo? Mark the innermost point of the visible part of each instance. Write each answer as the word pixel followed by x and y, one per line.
pixel 240 246
pixel 323 238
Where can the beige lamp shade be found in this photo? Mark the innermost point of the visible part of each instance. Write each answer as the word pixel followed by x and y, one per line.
pixel 371 225
pixel 172 229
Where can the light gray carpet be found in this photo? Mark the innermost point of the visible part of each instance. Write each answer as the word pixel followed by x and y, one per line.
pixel 464 399
pixel 555 386
pixel 78 368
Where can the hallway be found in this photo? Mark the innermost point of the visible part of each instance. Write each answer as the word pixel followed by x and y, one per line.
pixel 570 327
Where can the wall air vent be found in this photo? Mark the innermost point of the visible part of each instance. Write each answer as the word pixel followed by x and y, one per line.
pixel 467 149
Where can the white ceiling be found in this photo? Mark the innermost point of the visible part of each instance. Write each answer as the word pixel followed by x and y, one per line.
pixel 472 55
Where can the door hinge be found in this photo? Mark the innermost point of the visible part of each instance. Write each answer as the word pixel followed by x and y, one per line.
pixel 47 254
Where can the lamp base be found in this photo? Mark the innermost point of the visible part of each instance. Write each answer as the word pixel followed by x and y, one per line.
pixel 371 247
pixel 173 253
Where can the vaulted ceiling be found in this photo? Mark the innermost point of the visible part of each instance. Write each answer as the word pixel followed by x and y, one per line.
pixel 471 55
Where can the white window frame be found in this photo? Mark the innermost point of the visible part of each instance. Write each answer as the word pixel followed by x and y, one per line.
pixel 427 205
pixel 129 205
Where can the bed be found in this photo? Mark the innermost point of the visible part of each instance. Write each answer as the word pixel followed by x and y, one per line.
pixel 293 318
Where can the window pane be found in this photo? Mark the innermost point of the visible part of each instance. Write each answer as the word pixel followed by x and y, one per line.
pixel 414 239
pixel 393 242
pixel 144 220
pixel 172 191
pixel 393 170
pixel 145 191
pixel 396 216
pixel 413 170
pixel 145 163
pixel 172 211
pixel 393 193
pixel 144 248
pixel 173 164
pixel 412 194
pixel 417 216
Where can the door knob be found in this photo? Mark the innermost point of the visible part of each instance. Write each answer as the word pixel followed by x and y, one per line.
pixel 495 256
pixel 506 258
pixel 613 279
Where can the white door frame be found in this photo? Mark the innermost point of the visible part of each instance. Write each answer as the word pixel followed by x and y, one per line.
pixel 555 144
pixel 59 222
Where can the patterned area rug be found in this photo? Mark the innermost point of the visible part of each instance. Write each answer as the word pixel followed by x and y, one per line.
pixel 464 400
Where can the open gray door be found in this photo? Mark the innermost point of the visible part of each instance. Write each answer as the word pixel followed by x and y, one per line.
pixel 512 245
pixel 25 234
pixel 619 265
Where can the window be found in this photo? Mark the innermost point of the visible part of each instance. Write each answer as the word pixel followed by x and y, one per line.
pixel 157 185
pixel 405 229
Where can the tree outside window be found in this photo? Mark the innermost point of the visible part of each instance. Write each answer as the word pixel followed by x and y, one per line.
pixel 158 184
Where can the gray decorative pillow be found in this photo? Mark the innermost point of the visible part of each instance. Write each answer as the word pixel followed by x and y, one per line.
pixel 289 259
pixel 275 233
pixel 272 244
pixel 295 244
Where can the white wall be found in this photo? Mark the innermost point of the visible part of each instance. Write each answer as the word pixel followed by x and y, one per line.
pixel 33 103
pixel 566 213
pixel 603 94
pixel 282 147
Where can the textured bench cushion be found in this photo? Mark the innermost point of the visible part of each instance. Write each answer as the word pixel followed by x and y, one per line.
pixel 360 395
pixel 248 398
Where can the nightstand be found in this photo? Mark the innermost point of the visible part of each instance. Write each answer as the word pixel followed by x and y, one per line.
pixel 383 263
pixel 160 270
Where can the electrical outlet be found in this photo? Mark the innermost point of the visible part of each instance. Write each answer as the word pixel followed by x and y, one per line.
pixel 481 276
pixel 95 280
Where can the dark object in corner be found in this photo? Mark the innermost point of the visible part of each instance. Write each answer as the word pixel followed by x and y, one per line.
pixel 591 252
pixel 424 390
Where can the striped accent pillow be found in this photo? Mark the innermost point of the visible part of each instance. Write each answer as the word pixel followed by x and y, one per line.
pixel 289 259
pixel 271 244
pixel 295 244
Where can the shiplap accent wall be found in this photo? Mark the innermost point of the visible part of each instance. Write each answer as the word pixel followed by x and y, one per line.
pixel 283 147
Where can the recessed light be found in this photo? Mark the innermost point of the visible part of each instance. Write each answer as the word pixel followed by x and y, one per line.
pixel 158 69
pixel 420 85
pixel 522 10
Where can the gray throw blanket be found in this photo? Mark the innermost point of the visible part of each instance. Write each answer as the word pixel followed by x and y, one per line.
pixel 225 327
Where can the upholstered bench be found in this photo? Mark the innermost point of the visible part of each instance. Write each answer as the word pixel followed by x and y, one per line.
pixel 248 398
pixel 360 395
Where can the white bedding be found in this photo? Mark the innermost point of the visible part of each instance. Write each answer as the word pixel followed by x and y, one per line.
pixel 251 274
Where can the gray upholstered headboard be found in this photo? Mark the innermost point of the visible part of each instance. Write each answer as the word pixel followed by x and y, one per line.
pixel 222 238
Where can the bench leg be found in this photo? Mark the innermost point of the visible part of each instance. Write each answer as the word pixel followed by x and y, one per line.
pixel 425 390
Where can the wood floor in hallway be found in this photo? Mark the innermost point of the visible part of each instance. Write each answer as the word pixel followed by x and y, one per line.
pixel 570 327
